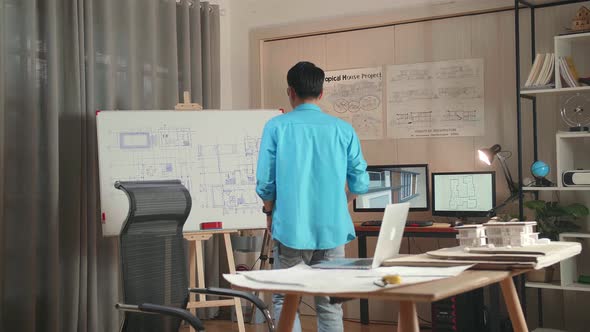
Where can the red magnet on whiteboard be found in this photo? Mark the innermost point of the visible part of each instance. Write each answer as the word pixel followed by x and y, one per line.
pixel 104 217
pixel 211 225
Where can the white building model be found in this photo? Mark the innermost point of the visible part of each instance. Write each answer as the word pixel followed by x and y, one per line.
pixel 471 236
pixel 498 234
pixel 511 233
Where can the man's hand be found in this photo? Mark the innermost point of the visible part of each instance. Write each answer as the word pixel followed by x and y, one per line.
pixel 350 196
pixel 268 206
pixel 269 223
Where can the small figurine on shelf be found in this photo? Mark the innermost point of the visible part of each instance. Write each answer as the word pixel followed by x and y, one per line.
pixel 581 22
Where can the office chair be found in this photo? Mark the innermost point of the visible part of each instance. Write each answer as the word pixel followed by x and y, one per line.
pixel 153 262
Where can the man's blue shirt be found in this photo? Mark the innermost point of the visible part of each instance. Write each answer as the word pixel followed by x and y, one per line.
pixel 306 159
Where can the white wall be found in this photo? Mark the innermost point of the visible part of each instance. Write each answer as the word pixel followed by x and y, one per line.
pixel 245 15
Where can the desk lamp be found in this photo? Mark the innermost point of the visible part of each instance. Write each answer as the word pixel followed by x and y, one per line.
pixel 487 155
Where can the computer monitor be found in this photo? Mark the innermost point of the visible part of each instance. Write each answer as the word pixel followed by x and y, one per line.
pixel 395 184
pixel 465 194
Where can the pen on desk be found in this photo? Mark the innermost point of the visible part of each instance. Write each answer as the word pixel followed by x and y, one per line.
pixel 395 279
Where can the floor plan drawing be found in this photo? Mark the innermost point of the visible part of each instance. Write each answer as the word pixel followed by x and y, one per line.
pixel 213 154
pixel 227 175
pixel 462 195
pixel 452 91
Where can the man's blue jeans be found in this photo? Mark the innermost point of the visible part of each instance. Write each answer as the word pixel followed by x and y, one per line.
pixel 329 315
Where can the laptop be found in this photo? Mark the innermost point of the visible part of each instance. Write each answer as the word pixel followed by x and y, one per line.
pixel 388 243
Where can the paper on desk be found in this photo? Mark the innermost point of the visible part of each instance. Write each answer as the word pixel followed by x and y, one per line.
pixel 305 278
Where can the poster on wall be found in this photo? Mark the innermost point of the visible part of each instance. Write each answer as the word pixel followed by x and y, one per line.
pixel 436 99
pixel 355 96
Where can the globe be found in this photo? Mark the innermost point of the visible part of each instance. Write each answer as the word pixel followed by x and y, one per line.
pixel 540 169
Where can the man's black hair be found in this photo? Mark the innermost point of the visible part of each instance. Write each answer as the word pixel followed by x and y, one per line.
pixel 306 79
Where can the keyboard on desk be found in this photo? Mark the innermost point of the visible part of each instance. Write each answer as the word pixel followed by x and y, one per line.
pixel 409 223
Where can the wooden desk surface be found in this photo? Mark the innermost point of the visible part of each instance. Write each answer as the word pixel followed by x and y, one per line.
pixel 428 291
pixel 435 228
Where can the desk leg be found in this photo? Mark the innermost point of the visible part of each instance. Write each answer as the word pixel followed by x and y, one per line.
pixel 362 251
pixel 408 317
pixel 494 309
pixel 513 305
pixel 288 312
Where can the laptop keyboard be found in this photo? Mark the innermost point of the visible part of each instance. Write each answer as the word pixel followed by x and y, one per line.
pixel 362 262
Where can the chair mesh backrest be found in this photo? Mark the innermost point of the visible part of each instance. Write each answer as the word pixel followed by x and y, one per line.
pixel 152 252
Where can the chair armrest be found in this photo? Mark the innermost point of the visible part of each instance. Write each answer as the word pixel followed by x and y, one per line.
pixel 244 295
pixel 149 308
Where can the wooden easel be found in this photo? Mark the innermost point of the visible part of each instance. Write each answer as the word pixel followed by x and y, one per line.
pixel 187 105
pixel 196 262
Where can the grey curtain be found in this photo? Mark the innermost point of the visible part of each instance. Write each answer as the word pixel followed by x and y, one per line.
pixel 60 61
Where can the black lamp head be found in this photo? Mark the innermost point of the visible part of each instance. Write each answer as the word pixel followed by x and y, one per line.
pixel 487 154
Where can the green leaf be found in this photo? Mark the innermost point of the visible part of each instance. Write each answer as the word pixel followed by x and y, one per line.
pixel 577 210
pixel 535 205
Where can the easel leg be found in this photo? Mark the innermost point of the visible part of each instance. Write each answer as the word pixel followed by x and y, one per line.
pixel 192 276
pixel 288 313
pixel 264 257
pixel 513 305
pixel 232 269
pixel 200 269
pixel 408 317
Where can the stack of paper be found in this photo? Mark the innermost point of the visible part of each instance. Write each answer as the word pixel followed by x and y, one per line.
pixel 542 72
pixel 535 256
pixel 307 279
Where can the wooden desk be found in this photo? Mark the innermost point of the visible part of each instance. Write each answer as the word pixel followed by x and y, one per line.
pixel 431 291
pixel 437 230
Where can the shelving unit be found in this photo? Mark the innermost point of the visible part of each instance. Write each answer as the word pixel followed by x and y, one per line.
pixel 554 189
pixel 572 148
pixel 568 270
pixel 572 153
pixel 554 91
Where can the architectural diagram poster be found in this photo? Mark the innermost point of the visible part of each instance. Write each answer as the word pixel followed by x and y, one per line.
pixel 355 96
pixel 436 99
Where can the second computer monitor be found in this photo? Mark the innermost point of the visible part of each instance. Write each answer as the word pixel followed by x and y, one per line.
pixel 395 184
pixel 466 194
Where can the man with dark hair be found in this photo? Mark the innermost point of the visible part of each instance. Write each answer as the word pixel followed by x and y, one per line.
pixel 306 160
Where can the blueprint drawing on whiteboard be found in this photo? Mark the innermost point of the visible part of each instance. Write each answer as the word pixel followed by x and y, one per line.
pixel 213 153
pixel 436 99
pixel 355 96
pixel 218 176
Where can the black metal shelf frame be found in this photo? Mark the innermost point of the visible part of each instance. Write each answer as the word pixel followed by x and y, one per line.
pixel 531 5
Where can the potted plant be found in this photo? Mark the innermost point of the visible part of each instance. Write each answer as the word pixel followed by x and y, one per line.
pixel 552 219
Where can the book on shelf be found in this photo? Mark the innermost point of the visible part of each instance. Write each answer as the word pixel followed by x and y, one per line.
pixel 542 72
pixel 568 72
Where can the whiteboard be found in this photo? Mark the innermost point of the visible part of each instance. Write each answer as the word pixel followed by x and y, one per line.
pixel 213 153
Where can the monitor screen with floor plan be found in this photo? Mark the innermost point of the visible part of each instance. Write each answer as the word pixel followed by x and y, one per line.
pixel 468 194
